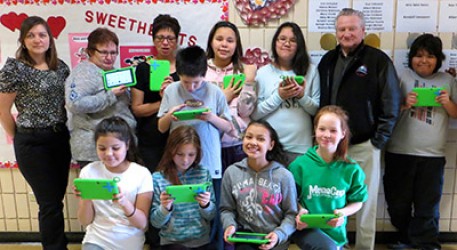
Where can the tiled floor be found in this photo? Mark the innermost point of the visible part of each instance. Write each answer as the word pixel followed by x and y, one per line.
pixel 35 246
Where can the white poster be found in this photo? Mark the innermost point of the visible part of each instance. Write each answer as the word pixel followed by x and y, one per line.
pixel 322 14
pixel 448 16
pixel 378 14
pixel 417 15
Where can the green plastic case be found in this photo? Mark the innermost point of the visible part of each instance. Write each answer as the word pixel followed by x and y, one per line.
pixel 426 97
pixel 159 69
pixel 317 220
pixel 96 189
pixel 189 114
pixel 238 77
pixel 186 193
pixel 245 237
pixel 119 77
pixel 299 79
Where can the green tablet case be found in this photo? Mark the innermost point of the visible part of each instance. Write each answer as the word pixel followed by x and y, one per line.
pixel 159 69
pixel 244 237
pixel 426 97
pixel 186 193
pixel 96 189
pixel 189 114
pixel 119 77
pixel 317 220
pixel 299 79
pixel 238 77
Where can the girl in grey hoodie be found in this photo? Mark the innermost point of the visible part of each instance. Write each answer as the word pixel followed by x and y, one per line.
pixel 258 193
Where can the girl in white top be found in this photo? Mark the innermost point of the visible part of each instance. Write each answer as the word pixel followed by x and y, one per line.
pixel 118 223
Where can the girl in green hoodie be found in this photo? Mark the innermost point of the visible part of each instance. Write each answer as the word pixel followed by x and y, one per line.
pixel 328 181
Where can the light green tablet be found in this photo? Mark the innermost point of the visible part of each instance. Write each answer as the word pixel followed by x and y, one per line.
pixel 189 114
pixel 239 79
pixel 186 193
pixel 426 97
pixel 119 77
pixel 96 189
pixel 159 69
pixel 317 220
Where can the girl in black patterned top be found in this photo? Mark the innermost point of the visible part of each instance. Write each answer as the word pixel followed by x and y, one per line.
pixel 34 82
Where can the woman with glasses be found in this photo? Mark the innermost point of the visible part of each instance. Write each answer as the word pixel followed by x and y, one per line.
pixel 87 101
pixel 34 81
pixel 285 99
pixel 146 103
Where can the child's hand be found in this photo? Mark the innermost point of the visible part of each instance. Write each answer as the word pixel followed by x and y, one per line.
pixel 232 90
pixel 228 232
pixel 287 89
pixel 76 191
pixel 273 237
pixel 174 109
pixel 167 81
pixel 299 224
pixel 120 199
pixel 206 116
pixel 203 199
pixel 411 99
pixel 336 222
pixel 443 98
pixel 166 200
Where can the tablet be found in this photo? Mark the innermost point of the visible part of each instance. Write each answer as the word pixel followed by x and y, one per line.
pixel 189 114
pixel 186 193
pixel 317 220
pixel 244 237
pixel 119 77
pixel 159 69
pixel 426 97
pixel 97 189
pixel 299 79
pixel 238 77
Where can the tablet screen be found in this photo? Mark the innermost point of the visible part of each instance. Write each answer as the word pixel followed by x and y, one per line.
pixel 119 78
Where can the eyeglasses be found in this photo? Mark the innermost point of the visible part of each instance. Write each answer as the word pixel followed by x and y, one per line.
pixel 284 40
pixel 170 39
pixel 105 53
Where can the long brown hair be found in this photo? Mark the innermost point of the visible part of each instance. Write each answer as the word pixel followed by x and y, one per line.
pixel 180 136
pixel 22 54
pixel 343 145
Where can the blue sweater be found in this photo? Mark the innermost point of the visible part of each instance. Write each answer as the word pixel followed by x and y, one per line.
pixel 187 223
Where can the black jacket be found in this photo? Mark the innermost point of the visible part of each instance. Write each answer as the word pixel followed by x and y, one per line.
pixel 369 91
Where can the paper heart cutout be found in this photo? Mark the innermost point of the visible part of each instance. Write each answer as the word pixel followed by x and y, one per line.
pixel 56 24
pixel 256 56
pixel 262 10
pixel 13 21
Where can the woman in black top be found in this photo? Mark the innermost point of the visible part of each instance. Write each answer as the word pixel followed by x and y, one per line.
pixel 34 82
pixel 146 103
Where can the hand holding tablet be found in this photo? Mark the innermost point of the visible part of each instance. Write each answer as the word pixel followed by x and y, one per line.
pixel 426 97
pixel 186 193
pixel 244 237
pixel 317 220
pixel 119 77
pixel 238 80
pixel 96 189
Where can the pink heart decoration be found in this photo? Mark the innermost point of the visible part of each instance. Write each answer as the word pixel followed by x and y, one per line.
pixel 13 21
pixel 255 12
pixel 256 56
pixel 56 24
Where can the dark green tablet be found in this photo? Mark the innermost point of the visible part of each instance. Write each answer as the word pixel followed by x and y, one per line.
pixel 159 69
pixel 189 114
pixel 426 97
pixel 96 189
pixel 317 220
pixel 119 77
pixel 244 237
pixel 186 193
pixel 239 79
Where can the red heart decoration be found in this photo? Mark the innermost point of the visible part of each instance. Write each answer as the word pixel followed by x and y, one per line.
pixel 12 20
pixel 272 9
pixel 56 24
